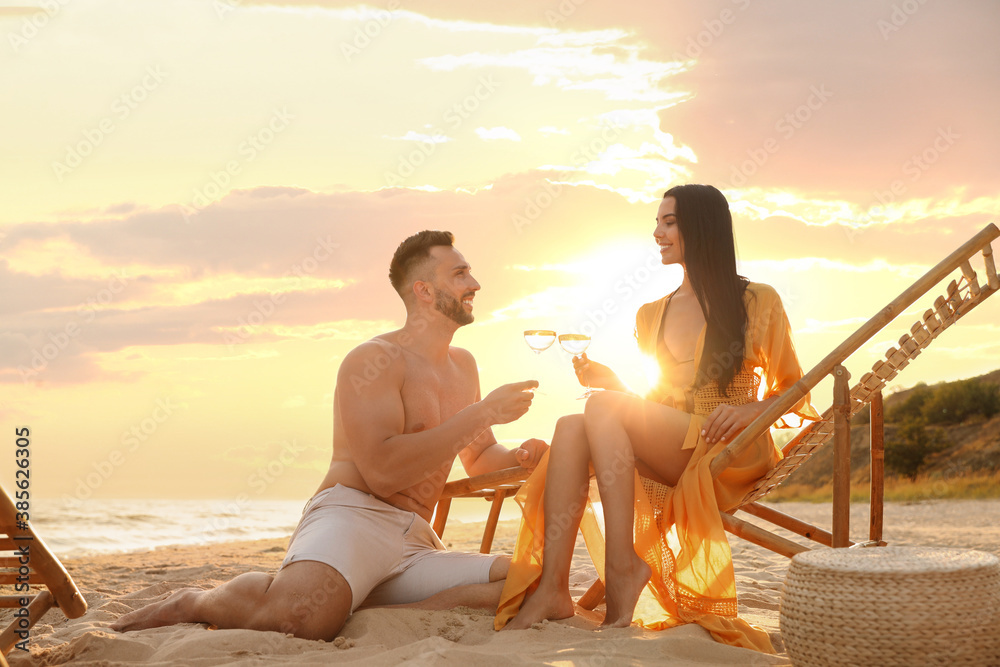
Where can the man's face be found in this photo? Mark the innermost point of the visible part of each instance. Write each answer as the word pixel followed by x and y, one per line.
pixel 454 286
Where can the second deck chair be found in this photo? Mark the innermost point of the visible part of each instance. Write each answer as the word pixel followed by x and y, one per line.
pixel 43 571
pixel 962 295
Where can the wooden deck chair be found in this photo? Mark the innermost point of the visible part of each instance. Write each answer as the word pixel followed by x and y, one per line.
pixel 496 486
pixel 43 571
pixel 962 295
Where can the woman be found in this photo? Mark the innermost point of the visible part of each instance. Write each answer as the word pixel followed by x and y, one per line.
pixel 709 337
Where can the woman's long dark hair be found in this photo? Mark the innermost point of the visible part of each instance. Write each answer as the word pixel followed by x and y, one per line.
pixel 706 228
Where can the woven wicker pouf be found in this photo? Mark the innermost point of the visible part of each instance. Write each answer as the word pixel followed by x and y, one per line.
pixel 892 606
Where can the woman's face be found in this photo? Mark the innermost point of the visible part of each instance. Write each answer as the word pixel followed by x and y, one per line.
pixel 668 233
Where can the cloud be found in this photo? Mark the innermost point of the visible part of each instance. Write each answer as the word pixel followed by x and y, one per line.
pixel 614 70
pixel 769 93
pixel 549 303
pixel 293 402
pixel 812 264
pixel 288 453
pixel 793 102
pixel 497 133
pixel 265 266
pixel 270 265
pixel 15 12
pixel 418 136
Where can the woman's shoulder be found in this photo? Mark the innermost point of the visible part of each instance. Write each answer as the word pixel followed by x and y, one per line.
pixel 649 309
pixel 762 292
pixel 647 318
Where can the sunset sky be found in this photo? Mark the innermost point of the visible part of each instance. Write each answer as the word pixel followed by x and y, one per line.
pixel 201 198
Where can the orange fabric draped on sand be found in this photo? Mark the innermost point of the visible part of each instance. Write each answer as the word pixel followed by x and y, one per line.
pixel 678 530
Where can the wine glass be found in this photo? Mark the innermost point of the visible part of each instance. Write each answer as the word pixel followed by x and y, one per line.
pixel 576 344
pixel 539 340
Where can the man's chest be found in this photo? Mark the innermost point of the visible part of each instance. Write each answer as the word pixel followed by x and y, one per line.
pixel 431 396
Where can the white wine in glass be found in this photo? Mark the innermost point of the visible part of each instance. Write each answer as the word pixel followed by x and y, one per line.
pixel 539 339
pixel 576 344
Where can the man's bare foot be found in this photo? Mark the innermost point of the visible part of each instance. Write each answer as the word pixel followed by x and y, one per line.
pixel 176 608
pixel 543 605
pixel 623 591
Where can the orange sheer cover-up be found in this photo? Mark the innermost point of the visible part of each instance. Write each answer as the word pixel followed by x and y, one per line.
pixel 678 530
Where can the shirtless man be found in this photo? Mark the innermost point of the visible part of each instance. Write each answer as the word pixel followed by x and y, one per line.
pixel 406 404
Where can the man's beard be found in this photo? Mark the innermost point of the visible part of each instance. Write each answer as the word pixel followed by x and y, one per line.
pixel 452 308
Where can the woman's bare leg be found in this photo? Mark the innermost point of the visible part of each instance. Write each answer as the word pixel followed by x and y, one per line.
pixel 621 429
pixel 566 488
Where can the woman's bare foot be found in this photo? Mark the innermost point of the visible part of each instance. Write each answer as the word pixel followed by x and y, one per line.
pixel 623 591
pixel 176 608
pixel 543 604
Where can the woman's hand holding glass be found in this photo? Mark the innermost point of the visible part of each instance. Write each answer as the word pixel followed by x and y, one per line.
pixel 596 375
pixel 575 344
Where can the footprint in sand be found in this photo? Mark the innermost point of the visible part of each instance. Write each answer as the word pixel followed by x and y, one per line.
pixel 453 631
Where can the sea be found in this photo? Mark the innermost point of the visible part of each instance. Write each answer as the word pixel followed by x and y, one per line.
pixel 73 528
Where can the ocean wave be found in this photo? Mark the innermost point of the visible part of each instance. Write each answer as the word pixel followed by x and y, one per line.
pixel 98 526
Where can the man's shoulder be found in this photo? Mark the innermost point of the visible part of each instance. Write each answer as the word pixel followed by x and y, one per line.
pixel 379 344
pixel 380 352
pixel 462 357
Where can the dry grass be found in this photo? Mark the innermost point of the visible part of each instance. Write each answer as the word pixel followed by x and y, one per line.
pixel 900 489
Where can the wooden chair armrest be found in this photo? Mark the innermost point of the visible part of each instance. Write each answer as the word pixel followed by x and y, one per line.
pixel 490 480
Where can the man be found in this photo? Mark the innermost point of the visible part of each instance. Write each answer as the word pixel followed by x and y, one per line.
pixel 406 404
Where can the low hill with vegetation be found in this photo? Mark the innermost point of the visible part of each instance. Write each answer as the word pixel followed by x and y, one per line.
pixel 941 441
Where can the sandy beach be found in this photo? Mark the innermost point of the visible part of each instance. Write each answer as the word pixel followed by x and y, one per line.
pixel 116 584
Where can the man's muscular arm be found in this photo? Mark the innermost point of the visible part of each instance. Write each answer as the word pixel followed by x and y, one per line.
pixel 478 458
pixel 373 417
pixel 485 454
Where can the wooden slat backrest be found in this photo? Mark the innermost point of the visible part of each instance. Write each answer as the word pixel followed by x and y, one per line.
pixel 961 296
